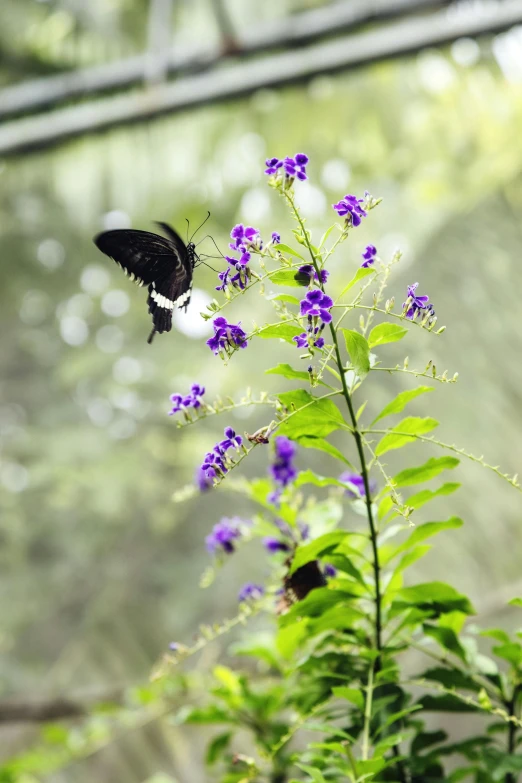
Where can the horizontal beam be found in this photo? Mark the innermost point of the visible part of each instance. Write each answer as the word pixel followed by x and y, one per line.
pixel 296 30
pixel 237 80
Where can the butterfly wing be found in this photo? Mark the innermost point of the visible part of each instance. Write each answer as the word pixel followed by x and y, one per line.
pixel 161 263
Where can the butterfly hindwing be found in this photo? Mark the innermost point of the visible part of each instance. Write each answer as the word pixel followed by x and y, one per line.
pixel 163 264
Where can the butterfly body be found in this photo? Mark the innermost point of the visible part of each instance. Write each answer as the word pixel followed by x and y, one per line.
pixel 164 264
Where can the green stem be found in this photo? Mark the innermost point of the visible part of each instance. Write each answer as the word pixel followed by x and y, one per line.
pixel 359 444
pixel 367 716
pixel 512 730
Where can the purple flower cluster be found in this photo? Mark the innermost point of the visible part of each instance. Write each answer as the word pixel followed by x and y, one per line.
pixel 292 167
pixel 283 470
pixel 356 482
pixel 244 238
pixel 417 304
pixel 250 592
pixel 192 400
pixel 226 336
pixel 309 270
pixel 317 304
pixel 215 462
pixel 369 255
pixel 350 207
pixel 202 481
pixel 302 340
pixel 223 536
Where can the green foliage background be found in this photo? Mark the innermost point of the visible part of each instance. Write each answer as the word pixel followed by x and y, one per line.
pixel 100 569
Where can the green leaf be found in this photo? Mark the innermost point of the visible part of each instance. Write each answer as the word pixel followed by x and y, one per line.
pixel 309 477
pixel 316 775
pixel 498 634
pixel 286 249
pixel 288 372
pixel 217 746
pixel 359 352
pixel 310 442
pixel 421 498
pixel 312 416
pixel 284 298
pixel 451 678
pixel 515 602
pixel 446 703
pixel 401 400
pixel 314 549
pixel 430 470
pixel 316 603
pixel 386 333
pixel 422 532
pixel 447 638
pixel 362 272
pixel 326 235
pixel 433 596
pixel 284 330
pixel 404 432
pixel 426 739
pixel 350 694
pixel 511 652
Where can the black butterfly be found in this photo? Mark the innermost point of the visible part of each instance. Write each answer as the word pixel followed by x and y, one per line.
pixel 165 265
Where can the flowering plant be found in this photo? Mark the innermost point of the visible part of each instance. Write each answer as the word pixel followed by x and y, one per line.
pixel 343 617
pixel 333 696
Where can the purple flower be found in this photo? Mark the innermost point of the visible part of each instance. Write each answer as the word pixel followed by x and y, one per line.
pixel 357 488
pixel 301 340
pixel 223 535
pixel 317 304
pixel 309 270
pixel 350 207
pixel 226 336
pixel 192 400
pixel 272 164
pixel 223 276
pixel 231 440
pixel 304 529
pixel 273 545
pixel 251 592
pixel 293 167
pixel 417 303
pixel 174 646
pixel 243 236
pixel 369 255
pixel 329 570
pixel 282 470
pixel 296 166
pixel 202 481
pixel 276 238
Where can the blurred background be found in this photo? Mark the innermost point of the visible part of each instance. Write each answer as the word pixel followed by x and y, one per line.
pixel 115 113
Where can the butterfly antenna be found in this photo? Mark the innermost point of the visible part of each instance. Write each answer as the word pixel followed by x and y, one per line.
pixel 188 229
pixel 215 245
pixel 204 262
pixel 201 226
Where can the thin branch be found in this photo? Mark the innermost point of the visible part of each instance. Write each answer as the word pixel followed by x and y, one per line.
pixel 59 708
pixel 288 67
pixel 293 30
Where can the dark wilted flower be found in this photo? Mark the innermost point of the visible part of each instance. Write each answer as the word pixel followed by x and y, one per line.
pixel 350 207
pixel 317 304
pixel 273 545
pixel 309 270
pixel 223 536
pixel 251 592
pixel 226 336
pixel 416 303
pixel 369 255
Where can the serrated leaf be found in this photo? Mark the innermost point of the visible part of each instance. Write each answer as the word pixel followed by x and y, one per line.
pixel 310 442
pixel 404 432
pixel 386 333
pixel 430 470
pixel 362 272
pixel 358 351
pixel 284 330
pixel 401 400
pixel 282 248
